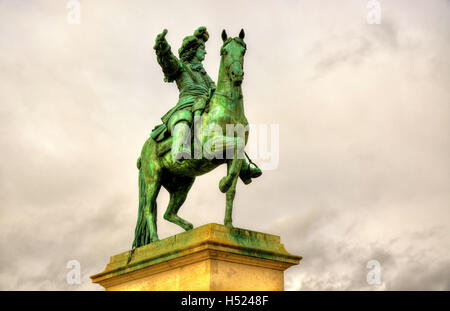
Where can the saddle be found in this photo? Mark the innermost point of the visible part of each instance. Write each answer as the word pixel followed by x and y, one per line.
pixel 164 146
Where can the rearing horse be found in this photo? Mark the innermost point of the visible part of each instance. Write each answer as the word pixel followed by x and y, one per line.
pixel 155 170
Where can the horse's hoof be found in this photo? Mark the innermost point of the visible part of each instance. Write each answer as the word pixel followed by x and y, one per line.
pixel 224 184
pixel 246 181
pixel 155 239
pixel 189 227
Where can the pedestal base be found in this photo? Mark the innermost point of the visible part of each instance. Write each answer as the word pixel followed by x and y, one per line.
pixel 210 257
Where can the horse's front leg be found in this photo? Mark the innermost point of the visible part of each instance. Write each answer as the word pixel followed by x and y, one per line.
pixel 237 145
pixel 231 192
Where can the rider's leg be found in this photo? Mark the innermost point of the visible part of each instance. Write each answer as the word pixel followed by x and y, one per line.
pixel 181 144
pixel 244 173
pixel 179 126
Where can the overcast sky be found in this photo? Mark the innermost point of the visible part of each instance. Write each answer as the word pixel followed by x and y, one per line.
pixel 363 113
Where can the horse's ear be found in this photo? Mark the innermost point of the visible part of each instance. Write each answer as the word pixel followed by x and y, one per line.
pixel 242 34
pixel 224 35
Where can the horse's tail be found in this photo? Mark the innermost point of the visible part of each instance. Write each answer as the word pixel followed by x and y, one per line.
pixel 141 233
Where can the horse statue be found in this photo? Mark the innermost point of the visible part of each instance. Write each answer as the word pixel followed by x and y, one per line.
pixel 157 167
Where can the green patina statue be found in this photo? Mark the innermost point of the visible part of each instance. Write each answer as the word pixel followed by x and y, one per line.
pixel 208 113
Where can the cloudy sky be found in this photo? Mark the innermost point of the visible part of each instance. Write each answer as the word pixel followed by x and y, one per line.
pixel 363 113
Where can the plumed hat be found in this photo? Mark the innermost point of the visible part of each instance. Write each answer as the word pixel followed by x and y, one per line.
pixel 192 43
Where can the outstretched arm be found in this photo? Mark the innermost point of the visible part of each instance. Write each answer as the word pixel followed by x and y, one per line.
pixel 168 62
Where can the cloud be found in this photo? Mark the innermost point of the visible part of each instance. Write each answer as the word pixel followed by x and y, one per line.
pixel 363 170
pixel 338 261
pixel 353 49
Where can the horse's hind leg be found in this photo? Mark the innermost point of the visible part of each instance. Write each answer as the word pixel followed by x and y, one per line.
pixel 231 192
pixel 150 211
pixel 152 180
pixel 178 189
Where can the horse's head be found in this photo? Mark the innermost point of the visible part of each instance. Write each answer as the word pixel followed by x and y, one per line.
pixel 232 52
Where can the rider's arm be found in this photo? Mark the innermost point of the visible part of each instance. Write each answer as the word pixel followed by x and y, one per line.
pixel 168 62
pixel 170 66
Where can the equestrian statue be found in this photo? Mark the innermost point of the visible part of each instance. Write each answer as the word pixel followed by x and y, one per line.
pixel 194 137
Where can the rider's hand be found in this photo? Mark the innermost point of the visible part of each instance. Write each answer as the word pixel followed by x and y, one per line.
pixel 160 41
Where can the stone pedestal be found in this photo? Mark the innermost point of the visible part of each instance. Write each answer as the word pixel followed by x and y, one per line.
pixel 210 257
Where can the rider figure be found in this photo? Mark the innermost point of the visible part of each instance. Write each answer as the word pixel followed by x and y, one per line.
pixel 196 89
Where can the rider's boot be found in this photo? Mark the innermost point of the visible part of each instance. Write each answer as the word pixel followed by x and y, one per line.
pixel 181 144
pixel 247 173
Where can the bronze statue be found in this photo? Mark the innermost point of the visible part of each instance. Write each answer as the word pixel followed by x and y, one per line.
pixel 193 82
pixel 207 109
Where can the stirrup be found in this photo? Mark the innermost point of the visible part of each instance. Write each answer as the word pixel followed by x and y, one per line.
pixel 255 171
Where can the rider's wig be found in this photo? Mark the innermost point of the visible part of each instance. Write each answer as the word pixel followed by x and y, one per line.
pixel 192 43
